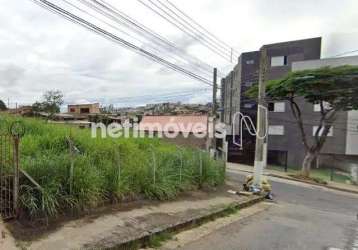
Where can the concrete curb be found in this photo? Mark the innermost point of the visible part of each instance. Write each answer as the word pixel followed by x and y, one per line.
pixel 315 183
pixel 303 181
pixel 143 240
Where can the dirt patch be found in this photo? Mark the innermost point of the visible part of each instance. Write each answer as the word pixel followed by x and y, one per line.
pixel 27 230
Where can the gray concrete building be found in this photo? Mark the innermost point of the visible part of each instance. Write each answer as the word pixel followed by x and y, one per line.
pixel 284 142
pixel 341 147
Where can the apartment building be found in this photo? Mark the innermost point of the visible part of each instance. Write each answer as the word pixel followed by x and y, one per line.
pixel 244 75
pixel 284 141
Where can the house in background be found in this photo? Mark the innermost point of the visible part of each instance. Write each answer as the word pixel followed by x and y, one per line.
pixel 80 109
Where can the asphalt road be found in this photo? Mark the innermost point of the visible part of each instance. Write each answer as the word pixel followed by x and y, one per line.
pixel 303 217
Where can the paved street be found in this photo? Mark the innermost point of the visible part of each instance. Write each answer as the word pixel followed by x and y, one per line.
pixel 304 217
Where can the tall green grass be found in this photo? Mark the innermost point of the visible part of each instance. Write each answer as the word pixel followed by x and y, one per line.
pixel 105 170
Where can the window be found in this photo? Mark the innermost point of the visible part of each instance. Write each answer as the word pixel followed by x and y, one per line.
pixel 278 61
pixel 248 105
pixel 317 107
pixel 250 62
pixel 276 130
pixel 72 110
pixel 271 106
pixel 330 133
pixel 279 107
pixel 84 110
pixel 249 84
pixel 276 107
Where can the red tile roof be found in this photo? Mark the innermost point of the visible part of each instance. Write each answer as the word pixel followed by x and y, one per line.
pixel 184 124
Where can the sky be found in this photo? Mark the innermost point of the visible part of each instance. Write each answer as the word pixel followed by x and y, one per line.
pixel 41 51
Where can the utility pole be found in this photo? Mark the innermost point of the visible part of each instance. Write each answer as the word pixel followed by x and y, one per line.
pixel 262 126
pixel 214 107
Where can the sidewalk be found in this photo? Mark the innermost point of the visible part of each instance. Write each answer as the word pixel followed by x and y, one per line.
pixel 136 226
pixel 6 240
pixel 279 174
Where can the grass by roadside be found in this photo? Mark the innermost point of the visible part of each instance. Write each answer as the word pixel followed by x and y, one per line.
pixel 321 175
pixel 104 170
pixel 157 240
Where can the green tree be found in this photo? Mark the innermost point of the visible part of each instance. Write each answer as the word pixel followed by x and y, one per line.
pixel 2 106
pixel 52 101
pixel 336 86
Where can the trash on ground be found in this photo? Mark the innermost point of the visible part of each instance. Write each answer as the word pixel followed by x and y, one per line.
pixel 264 188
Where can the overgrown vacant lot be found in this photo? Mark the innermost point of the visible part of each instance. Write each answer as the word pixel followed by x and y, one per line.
pixel 104 170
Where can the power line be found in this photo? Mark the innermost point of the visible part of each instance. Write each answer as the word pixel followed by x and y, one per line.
pixel 191 27
pixel 206 72
pixel 203 28
pixel 164 95
pixel 108 35
pixel 150 32
pixel 165 16
pixel 119 17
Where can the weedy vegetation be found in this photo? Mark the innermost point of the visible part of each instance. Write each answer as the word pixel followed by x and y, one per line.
pixel 104 170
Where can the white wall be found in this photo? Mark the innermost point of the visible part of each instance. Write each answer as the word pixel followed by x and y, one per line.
pixel 352 133
pixel 332 62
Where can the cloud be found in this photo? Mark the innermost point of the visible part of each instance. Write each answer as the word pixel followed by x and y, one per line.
pixel 10 75
pixel 41 51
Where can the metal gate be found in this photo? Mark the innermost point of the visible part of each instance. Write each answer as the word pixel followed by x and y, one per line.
pixel 9 175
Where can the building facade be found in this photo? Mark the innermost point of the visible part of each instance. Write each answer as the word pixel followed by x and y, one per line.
pixel 341 147
pixel 246 73
pixel 84 109
pixel 284 137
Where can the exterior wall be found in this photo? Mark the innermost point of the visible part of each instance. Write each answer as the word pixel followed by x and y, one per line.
pixel 190 141
pixel 248 70
pixel 345 131
pixel 250 64
pixel 352 133
pixel 332 62
pixel 291 141
pixel 299 50
pixel 76 109
pixel 234 86
pixel 300 55
pixel 226 88
pixel 236 90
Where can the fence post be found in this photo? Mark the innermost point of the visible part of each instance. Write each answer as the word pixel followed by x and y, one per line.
pixel 119 166
pixel 16 171
pixel 72 162
pixel 200 168
pixel 17 130
pixel 181 165
pixel 154 166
